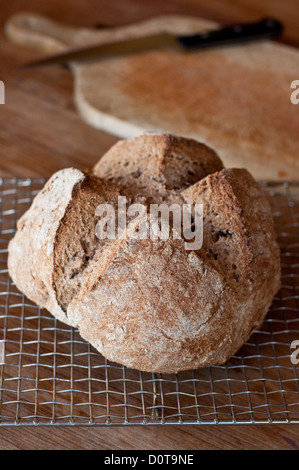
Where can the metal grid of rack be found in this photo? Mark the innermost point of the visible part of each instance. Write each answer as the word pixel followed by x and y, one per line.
pixel 50 376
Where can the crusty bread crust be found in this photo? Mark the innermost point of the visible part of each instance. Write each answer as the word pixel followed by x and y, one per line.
pixel 157 166
pixel 55 237
pixel 75 243
pixel 31 251
pixel 157 304
pixel 150 304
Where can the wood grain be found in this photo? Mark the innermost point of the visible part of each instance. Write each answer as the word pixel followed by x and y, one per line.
pixel 35 140
pixel 262 437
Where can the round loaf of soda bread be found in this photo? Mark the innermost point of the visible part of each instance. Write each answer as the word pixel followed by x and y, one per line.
pixel 150 304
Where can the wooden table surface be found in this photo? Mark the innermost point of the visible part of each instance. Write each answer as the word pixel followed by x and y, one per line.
pixel 36 140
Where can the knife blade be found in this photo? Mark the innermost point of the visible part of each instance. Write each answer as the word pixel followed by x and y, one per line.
pixel 233 34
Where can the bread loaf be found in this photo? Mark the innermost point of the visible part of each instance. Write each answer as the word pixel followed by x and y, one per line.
pixel 150 304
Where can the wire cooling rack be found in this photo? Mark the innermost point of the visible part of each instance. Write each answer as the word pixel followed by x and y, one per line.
pixel 50 376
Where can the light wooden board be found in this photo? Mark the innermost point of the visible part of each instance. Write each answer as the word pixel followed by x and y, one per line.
pixel 236 99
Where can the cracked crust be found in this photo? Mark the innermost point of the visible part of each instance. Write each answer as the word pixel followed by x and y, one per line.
pixel 154 307
pixel 31 251
pixel 55 239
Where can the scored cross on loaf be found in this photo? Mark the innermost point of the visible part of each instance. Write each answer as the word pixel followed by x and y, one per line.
pixel 151 304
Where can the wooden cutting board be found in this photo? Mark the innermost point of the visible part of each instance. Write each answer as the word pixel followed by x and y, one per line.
pixel 236 99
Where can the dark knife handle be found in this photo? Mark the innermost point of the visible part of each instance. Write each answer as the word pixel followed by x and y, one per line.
pixel 236 33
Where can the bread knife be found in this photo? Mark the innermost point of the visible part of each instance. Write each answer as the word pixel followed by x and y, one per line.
pixel 234 34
